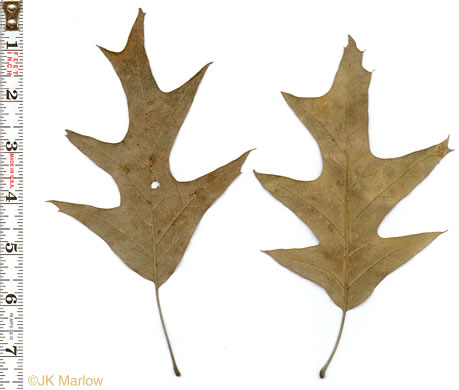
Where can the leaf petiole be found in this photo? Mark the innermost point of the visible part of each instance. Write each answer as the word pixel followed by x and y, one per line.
pixel 324 368
pixel 174 364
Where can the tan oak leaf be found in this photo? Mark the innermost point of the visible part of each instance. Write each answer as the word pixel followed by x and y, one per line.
pixel 355 191
pixel 157 215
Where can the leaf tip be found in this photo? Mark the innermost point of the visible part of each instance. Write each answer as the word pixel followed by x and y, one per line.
pixel 322 373
pixel 257 174
pixel 204 69
pixel 438 234
pixel 285 95
pixel 443 148
pixel 249 151
pixel 136 32
pixel 447 144
pixel 55 203
pixel 107 53
pixel 193 83
pixel 241 160
pixel 353 50
pixel 289 98
pixel 350 41
pixel 244 156
pixel 72 136
pixel 140 17
pixel 352 44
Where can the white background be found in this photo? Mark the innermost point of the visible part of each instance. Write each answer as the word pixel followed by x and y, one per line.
pixel 237 319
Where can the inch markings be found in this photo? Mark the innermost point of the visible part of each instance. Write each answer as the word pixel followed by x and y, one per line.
pixel 11 196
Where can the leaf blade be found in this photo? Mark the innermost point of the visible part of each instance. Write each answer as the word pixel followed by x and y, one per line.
pixel 354 193
pixel 157 215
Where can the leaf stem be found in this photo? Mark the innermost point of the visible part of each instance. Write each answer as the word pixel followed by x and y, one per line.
pixel 174 364
pixel 324 368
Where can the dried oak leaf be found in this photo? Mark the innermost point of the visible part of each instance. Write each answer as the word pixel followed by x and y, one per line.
pixel 152 226
pixel 355 191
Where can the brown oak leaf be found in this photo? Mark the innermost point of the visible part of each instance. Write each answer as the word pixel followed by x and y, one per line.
pixel 157 215
pixel 355 191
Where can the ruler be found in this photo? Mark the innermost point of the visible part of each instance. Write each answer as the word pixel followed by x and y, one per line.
pixel 11 195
